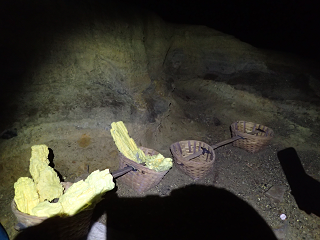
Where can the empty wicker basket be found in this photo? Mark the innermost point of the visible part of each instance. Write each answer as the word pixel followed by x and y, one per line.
pixel 197 167
pixel 251 143
pixel 141 179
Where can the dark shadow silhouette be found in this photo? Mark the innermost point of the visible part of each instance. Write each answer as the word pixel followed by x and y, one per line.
pixel 193 212
pixel 51 157
pixel 304 188
pixel 51 164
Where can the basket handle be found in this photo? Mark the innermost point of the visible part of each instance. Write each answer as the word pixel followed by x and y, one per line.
pixel 179 163
pixel 204 150
pixel 121 172
pixel 226 142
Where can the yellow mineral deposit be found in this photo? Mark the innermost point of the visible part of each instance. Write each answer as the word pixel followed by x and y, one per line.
pixel 83 194
pixel 33 196
pixel 46 179
pixel 129 149
pixel 26 196
pixel 46 209
pixel 125 143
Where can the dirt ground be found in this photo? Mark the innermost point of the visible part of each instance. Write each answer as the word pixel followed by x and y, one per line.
pixel 200 109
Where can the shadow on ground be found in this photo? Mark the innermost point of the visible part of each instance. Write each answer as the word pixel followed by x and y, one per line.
pixel 304 188
pixel 193 212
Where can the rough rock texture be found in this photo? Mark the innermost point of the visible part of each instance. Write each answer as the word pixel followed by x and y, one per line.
pixel 70 69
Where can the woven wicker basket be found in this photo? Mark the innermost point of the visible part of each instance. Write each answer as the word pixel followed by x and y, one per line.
pixel 26 219
pixel 142 178
pixel 74 228
pixel 197 167
pixel 251 143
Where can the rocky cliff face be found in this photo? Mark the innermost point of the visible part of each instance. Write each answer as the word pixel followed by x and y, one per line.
pixel 64 60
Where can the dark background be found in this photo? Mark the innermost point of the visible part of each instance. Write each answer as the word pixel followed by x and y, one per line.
pixel 283 25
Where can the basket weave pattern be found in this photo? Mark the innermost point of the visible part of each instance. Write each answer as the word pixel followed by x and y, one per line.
pixel 195 168
pixel 251 143
pixel 142 178
pixel 24 218
pixel 74 228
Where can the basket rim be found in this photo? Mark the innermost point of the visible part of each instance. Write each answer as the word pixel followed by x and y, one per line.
pixel 248 136
pixel 183 160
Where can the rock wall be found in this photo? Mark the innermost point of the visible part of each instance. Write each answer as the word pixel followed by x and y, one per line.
pixel 84 64
pixel 64 60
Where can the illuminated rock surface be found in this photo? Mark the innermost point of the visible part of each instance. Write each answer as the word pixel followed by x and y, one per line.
pixel 71 70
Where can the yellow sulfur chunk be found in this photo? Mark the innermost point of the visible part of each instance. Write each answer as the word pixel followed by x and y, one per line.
pixel 26 196
pixel 84 193
pixel 78 197
pixel 101 181
pixel 46 179
pixel 49 186
pixel 38 161
pixel 158 162
pixel 46 209
pixel 129 149
pixel 125 144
